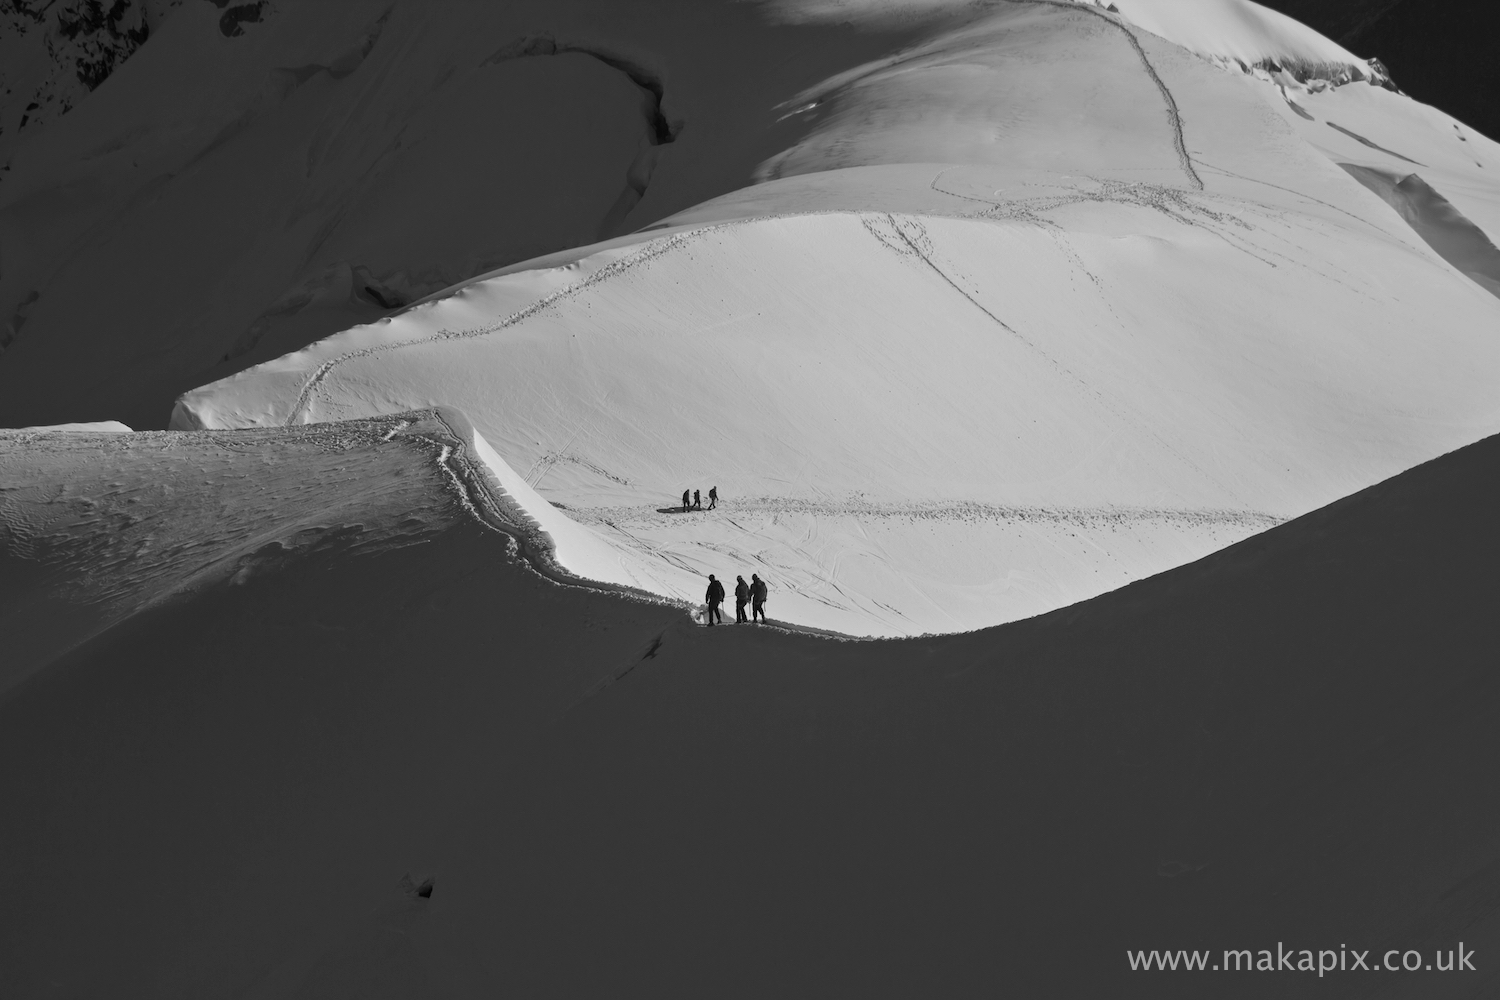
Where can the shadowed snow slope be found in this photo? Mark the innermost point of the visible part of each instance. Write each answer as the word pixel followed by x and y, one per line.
pixel 224 198
pixel 96 526
pixel 1033 306
pixel 241 791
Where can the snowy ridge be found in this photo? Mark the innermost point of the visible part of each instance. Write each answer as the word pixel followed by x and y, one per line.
pixel 92 426
pixel 556 546
pixel 491 492
pixel 1238 33
pixel 1244 34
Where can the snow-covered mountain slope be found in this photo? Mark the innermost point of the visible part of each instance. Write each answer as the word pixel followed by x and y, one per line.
pixel 1036 305
pixel 1248 34
pixel 53 54
pixel 224 198
pixel 1391 139
pixel 241 792
pixel 98 525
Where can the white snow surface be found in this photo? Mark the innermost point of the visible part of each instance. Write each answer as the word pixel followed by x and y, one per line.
pixel 1034 306
pixel 1236 29
pixel 92 426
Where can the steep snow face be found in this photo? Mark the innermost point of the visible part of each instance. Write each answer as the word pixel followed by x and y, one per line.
pixel 1010 90
pixel 53 54
pixel 228 197
pixel 97 525
pixel 1227 31
pixel 1387 139
pixel 1243 32
pixel 1033 306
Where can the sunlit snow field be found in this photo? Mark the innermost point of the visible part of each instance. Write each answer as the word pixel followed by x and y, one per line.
pixel 1037 306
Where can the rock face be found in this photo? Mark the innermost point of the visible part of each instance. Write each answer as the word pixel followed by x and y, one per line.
pixel 53 54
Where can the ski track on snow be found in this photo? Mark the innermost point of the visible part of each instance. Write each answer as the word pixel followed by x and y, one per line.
pixel 1123 416
pixel 649 251
pixel 484 500
pixel 1174 116
pixel 953 510
pixel 656 248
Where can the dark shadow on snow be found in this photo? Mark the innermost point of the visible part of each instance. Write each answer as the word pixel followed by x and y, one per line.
pixel 1434 218
pixel 1361 139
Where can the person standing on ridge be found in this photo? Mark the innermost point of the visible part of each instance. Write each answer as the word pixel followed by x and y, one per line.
pixel 713 497
pixel 715 597
pixel 741 594
pixel 697 501
pixel 757 599
pixel 684 499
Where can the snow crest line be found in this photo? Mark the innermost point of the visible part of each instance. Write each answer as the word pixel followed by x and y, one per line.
pixel 482 497
pixel 485 500
pixel 1174 116
pixel 652 249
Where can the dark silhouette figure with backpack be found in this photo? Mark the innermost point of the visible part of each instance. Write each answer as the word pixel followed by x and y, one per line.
pixel 713 497
pixel 684 499
pixel 757 599
pixel 741 598
pixel 715 597
pixel 697 501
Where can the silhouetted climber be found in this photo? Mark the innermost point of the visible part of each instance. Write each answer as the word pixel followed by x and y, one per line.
pixel 741 592
pixel 715 597
pixel 713 497
pixel 697 501
pixel 757 598
pixel 684 499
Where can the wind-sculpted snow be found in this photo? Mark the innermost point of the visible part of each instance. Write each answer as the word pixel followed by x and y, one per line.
pixel 1377 131
pixel 1174 116
pixel 98 524
pixel 1248 35
pixel 1433 217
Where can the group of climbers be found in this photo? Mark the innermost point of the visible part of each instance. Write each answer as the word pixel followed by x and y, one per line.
pixel 752 593
pixel 697 504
